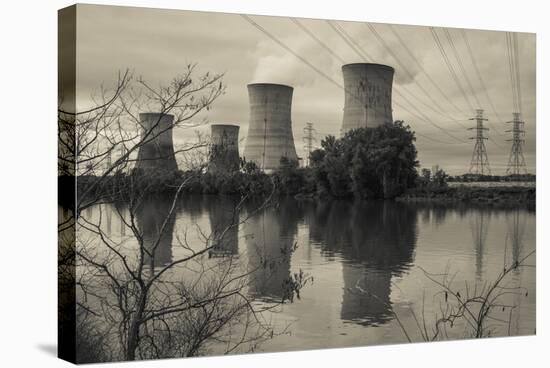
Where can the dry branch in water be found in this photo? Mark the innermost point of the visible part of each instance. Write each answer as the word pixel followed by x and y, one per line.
pixel 478 308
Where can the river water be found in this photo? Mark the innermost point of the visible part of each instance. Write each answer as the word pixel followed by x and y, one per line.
pixel 366 261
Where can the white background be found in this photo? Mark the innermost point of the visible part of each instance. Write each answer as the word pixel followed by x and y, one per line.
pixel 28 87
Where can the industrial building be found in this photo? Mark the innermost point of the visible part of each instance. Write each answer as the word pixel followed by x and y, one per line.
pixel 270 135
pixel 368 95
pixel 224 149
pixel 157 153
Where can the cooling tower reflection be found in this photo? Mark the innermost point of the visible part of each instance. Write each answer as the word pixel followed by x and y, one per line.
pixel 270 236
pixel 156 224
pixel 377 241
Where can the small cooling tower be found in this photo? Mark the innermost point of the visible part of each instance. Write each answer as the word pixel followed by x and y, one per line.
pixel 224 149
pixel 270 130
pixel 157 154
pixel 368 90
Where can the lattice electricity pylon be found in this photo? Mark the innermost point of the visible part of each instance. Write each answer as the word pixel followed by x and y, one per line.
pixel 516 161
pixel 479 225
pixel 479 164
pixel 308 141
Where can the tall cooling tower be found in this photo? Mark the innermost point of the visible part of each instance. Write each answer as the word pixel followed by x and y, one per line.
pixel 158 153
pixel 270 129
pixel 368 90
pixel 224 149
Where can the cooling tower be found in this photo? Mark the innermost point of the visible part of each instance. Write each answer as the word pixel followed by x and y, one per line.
pixel 270 129
pixel 224 149
pixel 368 89
pixel 158 153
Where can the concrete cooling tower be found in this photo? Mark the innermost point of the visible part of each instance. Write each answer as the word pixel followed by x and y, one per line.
pixel 270 130
pixel 224 149
pixel 157 155
pixel 368 90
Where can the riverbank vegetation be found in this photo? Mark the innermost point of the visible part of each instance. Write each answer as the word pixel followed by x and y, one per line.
pixel 377 163
pixel 121 302
pixel 487 195
pixel 471 178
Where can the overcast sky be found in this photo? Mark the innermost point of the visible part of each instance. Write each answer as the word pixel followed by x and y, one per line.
pixel 158 44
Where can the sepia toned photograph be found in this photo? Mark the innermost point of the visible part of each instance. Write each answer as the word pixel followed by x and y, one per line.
pixel 232 183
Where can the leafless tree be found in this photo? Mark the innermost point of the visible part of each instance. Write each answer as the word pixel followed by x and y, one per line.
pixel 89 138
pixel 157 312
pixel 103 140
pixel 127 300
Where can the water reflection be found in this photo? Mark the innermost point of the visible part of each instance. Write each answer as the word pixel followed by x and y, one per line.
pixel 479 226
pixel 360 253
pixel 224 224
pixel 152 214
pixel 193 205
pixel 269 236
pixel 376 240
pixel 516 230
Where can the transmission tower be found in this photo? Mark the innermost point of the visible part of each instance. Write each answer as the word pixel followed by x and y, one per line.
pixel 308 141
pixel 516 162
pixel 480 163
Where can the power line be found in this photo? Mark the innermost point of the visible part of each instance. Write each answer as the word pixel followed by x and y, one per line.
pixel 310 34
pixel 518 79
pixel 406 48
pixel 512 71
pixel 480 78
pixel 406 70
pixel 435 140
pixel 464 74
pixel 361 53
pixel 349 40
pixel 280 43
pixel 450 67
pixel 516 160
pixel 324 75
pixel 463 70
pixel 421 116
pixel 461 66
pixel 428 120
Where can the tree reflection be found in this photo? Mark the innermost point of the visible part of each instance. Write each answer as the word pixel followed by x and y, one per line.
pixel 269 238
pixel 151 214
pixel 192 205
pixel 224 221
pixel 377 241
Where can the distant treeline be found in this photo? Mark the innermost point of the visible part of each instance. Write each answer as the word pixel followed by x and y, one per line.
pixel 494 178
pixel 487 195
